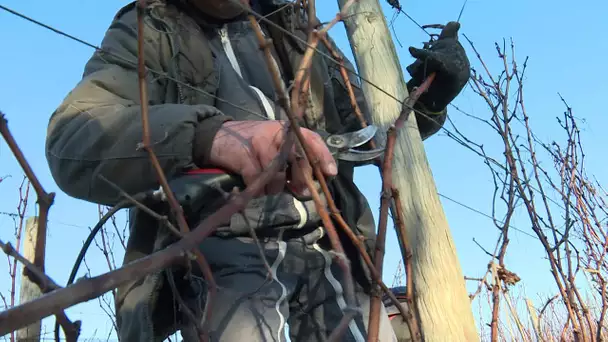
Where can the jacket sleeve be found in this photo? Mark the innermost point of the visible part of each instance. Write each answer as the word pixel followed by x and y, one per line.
pixel 97 129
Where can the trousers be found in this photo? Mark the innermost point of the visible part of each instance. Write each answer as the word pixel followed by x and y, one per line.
pixel 274 289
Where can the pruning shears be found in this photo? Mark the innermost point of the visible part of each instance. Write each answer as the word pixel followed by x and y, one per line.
pixel 194 188
pixel 342 146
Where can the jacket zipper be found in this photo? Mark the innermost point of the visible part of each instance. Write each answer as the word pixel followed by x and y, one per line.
pixel 229 51
pixel 180 94
pixel 227 45
pixel 180 89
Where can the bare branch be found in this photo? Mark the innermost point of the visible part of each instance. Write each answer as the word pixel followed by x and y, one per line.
pixel 44 199
pixel 87 289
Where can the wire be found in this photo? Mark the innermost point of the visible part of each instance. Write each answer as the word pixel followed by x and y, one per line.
pixel 492 160
pixel 132 63
pixel 16 215
pixel 62 33
pixel 397 6
pixel 160 73
pixel 13 215
pixel 479 212
pixel 464 4
pixel 414 21
pixel 263 18
pixel 122 204
pixel 48 27
pixel 167 76
pixel 67 224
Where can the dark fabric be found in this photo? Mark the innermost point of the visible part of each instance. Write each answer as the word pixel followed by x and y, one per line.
pixel 203 139
pixel 97 128
pixel 221 9
pixel 299 285
pixel 447 58
pixel 428 122
pixel 203 18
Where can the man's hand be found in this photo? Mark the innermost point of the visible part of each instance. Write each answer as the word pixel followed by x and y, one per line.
pixel 447 58
pixel 248 147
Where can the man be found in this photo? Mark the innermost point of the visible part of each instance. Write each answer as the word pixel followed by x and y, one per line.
pixel 212 104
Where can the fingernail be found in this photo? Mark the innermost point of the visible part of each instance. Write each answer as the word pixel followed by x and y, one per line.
pixel 305 192
pixel 332 169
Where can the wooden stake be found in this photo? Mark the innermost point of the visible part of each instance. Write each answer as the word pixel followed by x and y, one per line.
pixel 29 290
pixel 441 300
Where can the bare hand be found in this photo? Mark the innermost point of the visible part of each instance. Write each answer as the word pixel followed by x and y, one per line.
pixel 248 147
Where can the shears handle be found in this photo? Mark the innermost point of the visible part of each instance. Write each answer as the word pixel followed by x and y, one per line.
pixel 197 190
pixel 200 188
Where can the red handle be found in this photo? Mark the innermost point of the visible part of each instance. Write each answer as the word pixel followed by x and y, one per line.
pixel 205 171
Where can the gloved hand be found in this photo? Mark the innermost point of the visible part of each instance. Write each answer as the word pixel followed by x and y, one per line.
pixel 448 59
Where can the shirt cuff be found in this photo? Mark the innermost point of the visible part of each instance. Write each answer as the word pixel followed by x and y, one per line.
pixel 203 139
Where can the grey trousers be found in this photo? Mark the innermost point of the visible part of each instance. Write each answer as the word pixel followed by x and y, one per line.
pixel 302 294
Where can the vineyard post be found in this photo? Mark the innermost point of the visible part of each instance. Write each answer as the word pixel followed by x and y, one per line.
pixel 28 289
pixel 440 297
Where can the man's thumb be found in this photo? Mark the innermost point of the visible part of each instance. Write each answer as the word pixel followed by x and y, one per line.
pixel 421 54
pixel 428 59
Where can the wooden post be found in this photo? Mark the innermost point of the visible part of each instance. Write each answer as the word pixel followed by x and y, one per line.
pixel 29 290
pixel 440 295
pixel 534 319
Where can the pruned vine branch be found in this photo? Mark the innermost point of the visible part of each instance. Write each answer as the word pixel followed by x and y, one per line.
pixel 565 207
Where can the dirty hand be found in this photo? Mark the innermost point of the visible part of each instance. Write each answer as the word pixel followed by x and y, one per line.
pixel 447 58
pixel 248 147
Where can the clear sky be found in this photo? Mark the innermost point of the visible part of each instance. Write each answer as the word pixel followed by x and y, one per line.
pixel 38 68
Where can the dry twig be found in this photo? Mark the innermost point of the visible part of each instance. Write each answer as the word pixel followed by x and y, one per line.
pixel 147 145
pixel 412 317
pixel 387 195
pixel 44 200
pixel 21 211
pixel 90 288
pixel 293 112
pixel 578 242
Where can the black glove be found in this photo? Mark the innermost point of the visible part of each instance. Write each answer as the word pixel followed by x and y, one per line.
pixel 447 58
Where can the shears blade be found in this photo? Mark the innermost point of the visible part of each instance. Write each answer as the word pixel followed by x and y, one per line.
pixel 342 146
pixel 352 139
pixel 360 156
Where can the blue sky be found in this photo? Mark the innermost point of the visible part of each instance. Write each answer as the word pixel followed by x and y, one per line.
pixel 39 68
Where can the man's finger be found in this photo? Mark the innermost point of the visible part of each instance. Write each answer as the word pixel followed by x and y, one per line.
pixel 429 61
pixel 422 54
pixel 298 170
pixel 267 148
pixel 251 170
pixel 321 152
pixel 296 161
